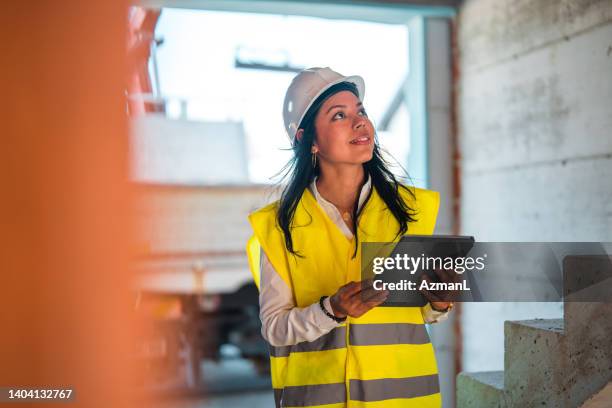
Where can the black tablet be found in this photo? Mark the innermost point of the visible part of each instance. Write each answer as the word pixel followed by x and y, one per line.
pixel 400 271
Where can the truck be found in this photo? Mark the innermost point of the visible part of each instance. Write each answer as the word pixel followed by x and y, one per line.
pixel 191 198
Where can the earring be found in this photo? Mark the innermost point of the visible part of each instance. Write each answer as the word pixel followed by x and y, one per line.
pixel 314 160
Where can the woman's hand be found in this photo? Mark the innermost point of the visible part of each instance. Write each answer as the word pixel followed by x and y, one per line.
pixel 441 299
pixel 356 298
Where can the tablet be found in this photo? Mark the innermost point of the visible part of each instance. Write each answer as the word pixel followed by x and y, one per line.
pixel 419 254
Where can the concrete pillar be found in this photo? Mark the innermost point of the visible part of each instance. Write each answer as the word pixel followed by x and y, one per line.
pixel 440 171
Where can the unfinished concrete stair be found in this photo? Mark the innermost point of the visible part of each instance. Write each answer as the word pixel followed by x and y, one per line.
pixel 603 399
pixel 549 362
pixel 483 389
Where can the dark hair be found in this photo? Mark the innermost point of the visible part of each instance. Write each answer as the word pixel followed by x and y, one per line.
pixel 299 173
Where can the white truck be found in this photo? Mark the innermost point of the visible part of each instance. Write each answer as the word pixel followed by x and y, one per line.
pixel 191 202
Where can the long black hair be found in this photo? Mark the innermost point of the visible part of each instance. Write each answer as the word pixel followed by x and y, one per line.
pixel 299 173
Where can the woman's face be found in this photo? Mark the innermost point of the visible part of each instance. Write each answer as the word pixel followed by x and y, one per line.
pixel 345 135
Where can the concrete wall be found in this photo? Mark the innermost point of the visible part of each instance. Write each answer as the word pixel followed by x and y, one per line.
pixel 534 121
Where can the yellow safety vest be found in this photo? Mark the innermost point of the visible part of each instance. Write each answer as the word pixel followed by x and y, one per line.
pixel 381 359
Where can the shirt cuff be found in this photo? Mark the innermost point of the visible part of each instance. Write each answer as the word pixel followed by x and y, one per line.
pixel 433 316
pixel 321 319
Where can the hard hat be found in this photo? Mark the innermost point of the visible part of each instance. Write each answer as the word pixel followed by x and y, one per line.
pixel 305 88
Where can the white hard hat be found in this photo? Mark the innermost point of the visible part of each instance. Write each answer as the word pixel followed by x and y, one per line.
pixel 305 88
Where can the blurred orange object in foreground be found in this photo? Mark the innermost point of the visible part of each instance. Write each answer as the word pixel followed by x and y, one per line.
pixel 66 304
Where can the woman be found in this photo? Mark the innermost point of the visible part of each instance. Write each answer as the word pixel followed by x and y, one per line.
pixel 330 344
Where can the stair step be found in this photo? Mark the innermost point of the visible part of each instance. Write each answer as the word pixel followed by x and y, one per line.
pixel 494 379
pixel 554 362
pixel 534 360
pixel 552 325
pixel 481 389
pixel 588 329
pixel 532 343
pixel 603 399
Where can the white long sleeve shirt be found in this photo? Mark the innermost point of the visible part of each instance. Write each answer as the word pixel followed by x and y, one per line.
pixel 284 324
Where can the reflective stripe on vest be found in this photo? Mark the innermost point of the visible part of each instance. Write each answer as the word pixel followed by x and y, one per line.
pixel 387 333
pixel 335 339
pixel 381 359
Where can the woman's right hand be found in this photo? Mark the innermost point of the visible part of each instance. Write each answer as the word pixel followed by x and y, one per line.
pixel 356 298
